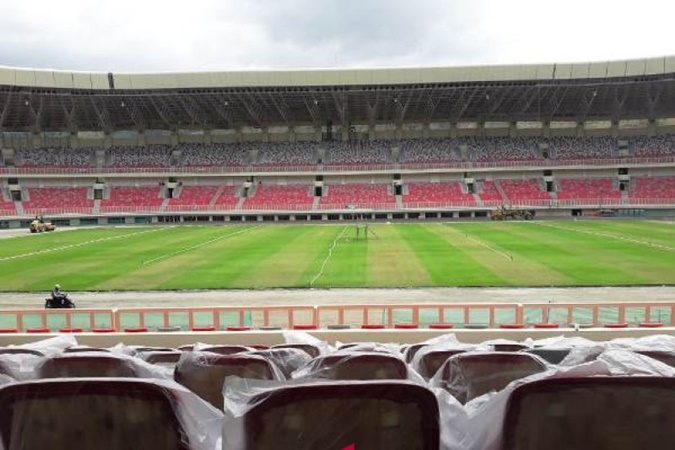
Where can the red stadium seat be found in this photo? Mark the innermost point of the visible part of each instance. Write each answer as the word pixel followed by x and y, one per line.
pixel 136 330
pixel 8 330
pixel 470 375
pixel 363 415
pixel 592 413
pixel 91 414
pixel 204 373
pixel 103 330
pixel 208 328
pixel 616 325
pixel 441 326
pixel 546 325
pixel 651 324
pixel 430 362
pixel 38 330
pixel 309 326
pixel 406 326
pixel 70 330
pixel 511 326
pixel 231 328
pixel 372 326
pixel 357 366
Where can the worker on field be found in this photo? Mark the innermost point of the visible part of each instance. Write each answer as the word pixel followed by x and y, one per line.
pixel 57 296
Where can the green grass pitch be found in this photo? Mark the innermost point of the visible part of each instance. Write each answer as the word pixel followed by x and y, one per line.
pixel 563 253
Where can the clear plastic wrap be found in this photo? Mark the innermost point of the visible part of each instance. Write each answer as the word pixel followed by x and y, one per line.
pixel 49 346
pixel 221 349
pixel 106 414
pixel 504 345
pixel 97 364
pixel 625 362
pixel 435 352
pixel 371 347
pixel 204 373
pixel 470 375
pixel 301 337
pixel 288 360
pixel 373 415
pixel 164 359
pixel 345 365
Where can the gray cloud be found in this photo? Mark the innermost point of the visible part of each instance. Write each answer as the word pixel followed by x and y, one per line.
pixel 156 35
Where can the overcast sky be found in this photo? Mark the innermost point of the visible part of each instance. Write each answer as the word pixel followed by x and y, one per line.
pixel 198 35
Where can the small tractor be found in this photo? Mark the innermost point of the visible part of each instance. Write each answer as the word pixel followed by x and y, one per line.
pixel 502 213
pixel 40 226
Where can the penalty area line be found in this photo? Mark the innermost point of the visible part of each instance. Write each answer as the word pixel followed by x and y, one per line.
pixel 499 252
pixel 200 245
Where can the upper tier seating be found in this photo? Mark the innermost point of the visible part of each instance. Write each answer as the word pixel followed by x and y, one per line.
pixel 591 413
pixel 528 189
pixel 587 188
pixel 662 145
pixel 148 156
pixel 214 155
pixel 128 196
pixel 193 196
pixel 428 151
pixel 359 195
pixel 53 197
pixel 288 153
pixel 358 152
pixel 653 187
pixel 290 196
pixel 376 415
pixel 55 157
pixel 100 414
pixel 581 148
pixel 500 148
pixel 444 192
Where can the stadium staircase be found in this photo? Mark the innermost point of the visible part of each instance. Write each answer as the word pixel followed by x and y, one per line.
pixel 165 205
pixel 240 204
pixel 216 196
pixel 19 208
pixel 96 209
pixel 399 202
pixel 500 189
pixel 316 203
pixel 479 201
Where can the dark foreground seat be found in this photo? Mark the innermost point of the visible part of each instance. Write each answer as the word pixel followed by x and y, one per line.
pixel 356 366
pixel 77 365
pixel 372 415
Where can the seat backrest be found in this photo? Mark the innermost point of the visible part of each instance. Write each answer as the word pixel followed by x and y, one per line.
pixel 311 350
pixel 167 359
pixel 550 355
pixel 373 415
pixel 19 351
pixel 89 414
pixel 591 413
pixel 358 366
pixel 411 350
pixel 664 356
pixel 78 365
pixel 225 349
pixel 85 349
pixel 287 360
pixel 429 363
pixel 470 375
pixel 204 373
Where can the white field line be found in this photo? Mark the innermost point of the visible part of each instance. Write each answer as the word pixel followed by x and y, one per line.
pixel 331 249
pixel 611 236
pixel 80 244
pixel 499 252
pixel 200 245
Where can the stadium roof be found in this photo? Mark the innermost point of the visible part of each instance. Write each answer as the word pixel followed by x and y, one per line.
pixel 36 100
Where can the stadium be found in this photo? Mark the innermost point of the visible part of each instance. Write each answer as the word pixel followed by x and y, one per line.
pixel 471 257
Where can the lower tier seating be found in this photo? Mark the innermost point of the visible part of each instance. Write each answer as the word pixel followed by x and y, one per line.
pixel 587 188
pixel 444 192
pixel 358 195
pixel 127 196
pixel 291 196
pixel 653 188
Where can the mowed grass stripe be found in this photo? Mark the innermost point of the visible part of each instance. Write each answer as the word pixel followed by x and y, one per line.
pixel 445 263
pixel 151 272
pixel 224 262
pixel 516 269
pixel 348 265
pixel 392 261
pixel 286 266
pixel 638 231
pixel 47 241
pixel 584 258
pixel 85 266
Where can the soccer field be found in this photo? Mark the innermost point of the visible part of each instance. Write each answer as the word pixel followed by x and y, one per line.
pixel 564 253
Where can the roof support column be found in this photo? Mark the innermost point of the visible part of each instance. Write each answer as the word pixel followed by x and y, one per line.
pixel 74 140
pixel 37 140
pixel 426 130
pixel 174 138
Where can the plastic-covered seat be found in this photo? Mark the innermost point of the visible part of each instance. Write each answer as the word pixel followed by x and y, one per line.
pixel 383 415
pixel 19 351
pixel 224 349
pixel 115 414
pixel 470 375
pixel 204 373
pixel 664 356
pixel 591 413
pixel 288 360
pixel 430 362
pixel 550 355
pixel 167 359
pixel 78 365
pixel 355 366
pixel 411 350
pixel 85 348
pixel 311 350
